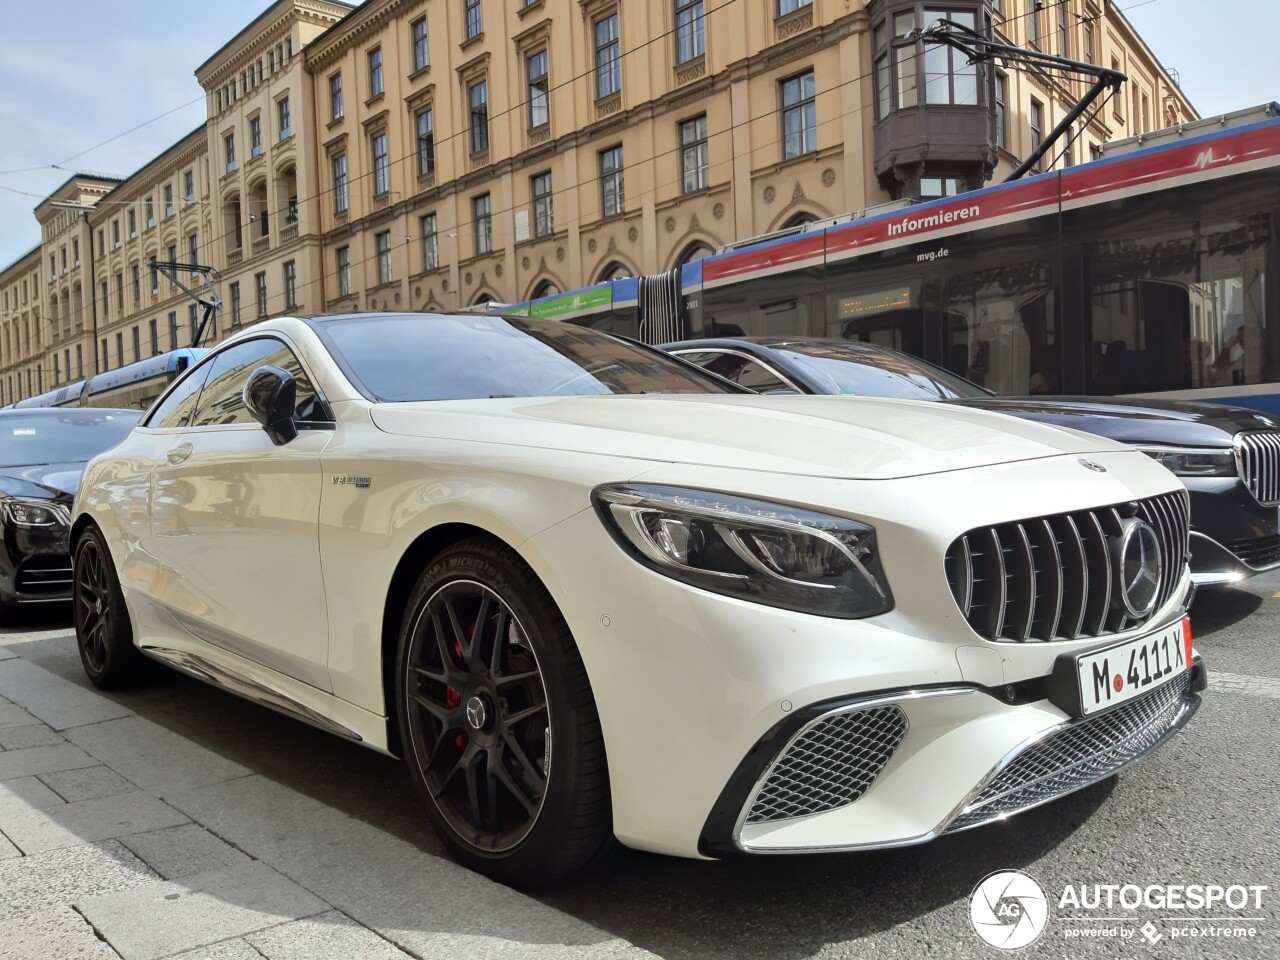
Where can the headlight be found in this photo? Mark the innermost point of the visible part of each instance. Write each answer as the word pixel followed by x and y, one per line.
pixel 1195 463
pixel 768 553
pixel 34 513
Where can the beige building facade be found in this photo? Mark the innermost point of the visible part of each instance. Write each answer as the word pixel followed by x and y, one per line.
pixel 438 154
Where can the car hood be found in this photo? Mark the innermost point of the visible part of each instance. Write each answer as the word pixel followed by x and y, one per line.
pixel 42 481
pixel 1134 420
pixel 839 437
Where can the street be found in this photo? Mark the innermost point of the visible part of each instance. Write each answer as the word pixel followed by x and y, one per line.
pixel 286 842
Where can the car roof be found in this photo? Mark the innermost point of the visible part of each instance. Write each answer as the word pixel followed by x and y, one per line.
pixel 772 343
pixel 383 315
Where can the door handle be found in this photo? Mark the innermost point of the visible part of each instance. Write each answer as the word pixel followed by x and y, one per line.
pixel 179 453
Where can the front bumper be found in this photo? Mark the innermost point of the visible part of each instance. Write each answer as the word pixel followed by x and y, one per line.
pixel 791 794
pixel 1233 536
pixel 35 565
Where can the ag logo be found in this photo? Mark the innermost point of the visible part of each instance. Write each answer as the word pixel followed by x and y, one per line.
pixel 1008 910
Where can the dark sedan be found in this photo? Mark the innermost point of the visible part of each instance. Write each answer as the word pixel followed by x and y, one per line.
pixel 1228 457
pixel 42 454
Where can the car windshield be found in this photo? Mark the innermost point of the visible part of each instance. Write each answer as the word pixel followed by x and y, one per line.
pixel 73 437
pixel 404 357
pixel 847 368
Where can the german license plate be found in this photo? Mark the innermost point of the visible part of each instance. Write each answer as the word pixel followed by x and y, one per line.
pixel 1112 676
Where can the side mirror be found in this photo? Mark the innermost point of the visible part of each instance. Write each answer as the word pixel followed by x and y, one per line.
pixel 270 396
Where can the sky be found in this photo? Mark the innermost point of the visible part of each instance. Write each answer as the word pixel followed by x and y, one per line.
pixel 75 73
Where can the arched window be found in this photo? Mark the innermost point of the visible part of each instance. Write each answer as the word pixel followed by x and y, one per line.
pixel 799 220
pixel 545 289
pixel 614 271
pixel 695 251
pixel 483 299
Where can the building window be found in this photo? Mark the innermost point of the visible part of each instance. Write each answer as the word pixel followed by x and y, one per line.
pixel 539 109
pixel 905 60
pixel 229 141
pixel 608 57
pixel 75 262
pixel 255 137
pixel 611 192
pixel 1146 112
pixel 478 98
pixel 791 6
pixel 168 200
pixel 799 116
pixel 133 225
pixel 482 222
pixel 420 43
pixel 880 70
pixel 155 277
pixel 1037 130
pixel 1002 116
pixel 102 243
pixel 137 343
pixel 1088 43
pixel 173 330
pixel 948 76
pixel 235 304
pixel 691 41
pixel 115 234
pixel 193 248
pixel 381 167
pixel 543 221
pixel 120 348
pixel 384 257
pixel 137 284
pixel 426 143
pixel 1064 44
pixel 693 154
pixel 106 300
pixel 150 208
pixel 193 322
pixel 290 284
pixel 375 72
pixel 335 97
pixel 475 23
pixel 260 282
pixel 63 252
pixel 282 108
pixel 342 257
pixel 155 338
pixel 79 360
pixel 1033 25
pixel 933 188
pixel 189 186
pixel 340 184
pixel 430 243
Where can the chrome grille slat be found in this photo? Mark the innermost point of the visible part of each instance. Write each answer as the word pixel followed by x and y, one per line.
pixel 1258 457
pixel 831 763
pixel 1050 578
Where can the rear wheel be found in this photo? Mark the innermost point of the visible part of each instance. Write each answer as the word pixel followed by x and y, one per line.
pixel 500 729
pixel 104 632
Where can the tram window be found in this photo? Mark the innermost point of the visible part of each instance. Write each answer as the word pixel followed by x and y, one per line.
pixel 1180 311
pixel 1002 328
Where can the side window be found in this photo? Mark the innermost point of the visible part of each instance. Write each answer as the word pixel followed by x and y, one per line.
pixel 741 370
pixel 179 406
pixel 222 402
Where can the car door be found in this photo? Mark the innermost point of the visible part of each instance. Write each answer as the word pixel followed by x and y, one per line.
pixel 234 520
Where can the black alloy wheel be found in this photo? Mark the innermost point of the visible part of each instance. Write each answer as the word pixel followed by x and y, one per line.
pixel 478 711
pixel 497 721
pixel 104 632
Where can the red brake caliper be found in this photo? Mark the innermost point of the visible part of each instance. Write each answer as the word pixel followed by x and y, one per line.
pixel 452 697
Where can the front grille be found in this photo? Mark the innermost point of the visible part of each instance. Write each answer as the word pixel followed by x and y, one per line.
pixel 1259 456
pixel 1081 753
pixel 1256 551
pixel 1051 578
pixel 830 764
pixel 47 577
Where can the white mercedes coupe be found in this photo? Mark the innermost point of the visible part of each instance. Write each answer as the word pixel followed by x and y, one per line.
pixel 589 592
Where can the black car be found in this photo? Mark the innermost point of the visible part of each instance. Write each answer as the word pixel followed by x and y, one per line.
pixel 1228 457
pixel 42 454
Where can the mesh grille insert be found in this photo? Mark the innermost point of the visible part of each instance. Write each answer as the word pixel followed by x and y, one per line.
pixel 1079 754
pixel 830 764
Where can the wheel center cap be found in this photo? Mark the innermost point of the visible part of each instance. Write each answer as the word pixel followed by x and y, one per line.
pixel 477 713
pixel 97 605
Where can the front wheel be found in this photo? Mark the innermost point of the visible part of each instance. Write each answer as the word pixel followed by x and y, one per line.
pixel 104 632
pixel 500 729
